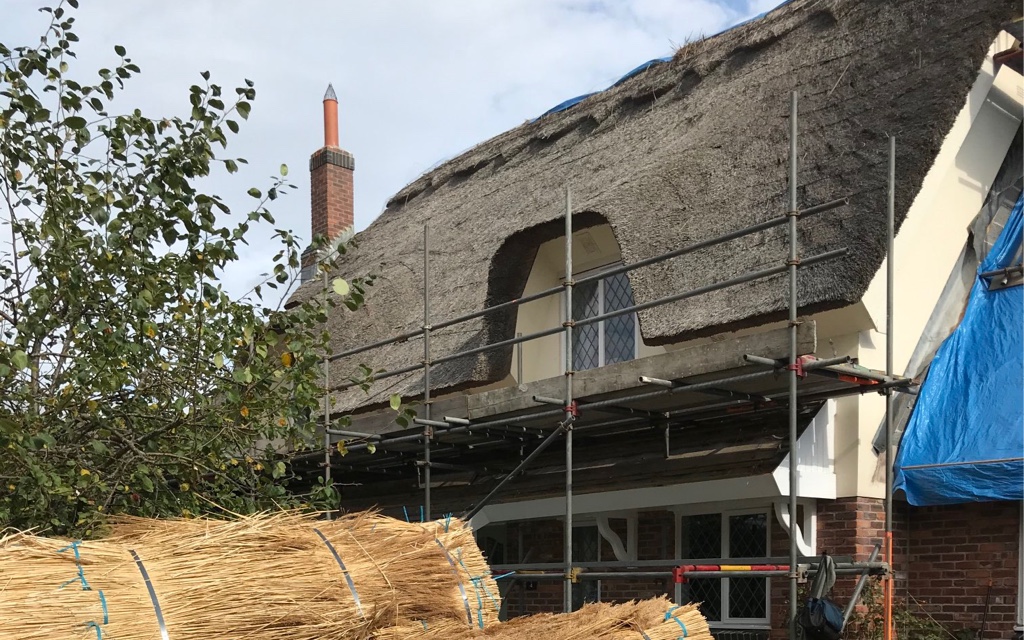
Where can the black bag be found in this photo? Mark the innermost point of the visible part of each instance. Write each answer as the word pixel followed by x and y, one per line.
pixel 822 619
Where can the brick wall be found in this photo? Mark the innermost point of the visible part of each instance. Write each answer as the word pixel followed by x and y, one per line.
pixel 846 527
pixel 954 552
pixel 944 558
pixel 331 193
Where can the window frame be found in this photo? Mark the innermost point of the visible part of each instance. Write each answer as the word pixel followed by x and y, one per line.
pixel 727 621
pixel 601 309
pixel 589 523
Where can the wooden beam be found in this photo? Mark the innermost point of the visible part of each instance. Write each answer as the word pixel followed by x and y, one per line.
pixel 723 353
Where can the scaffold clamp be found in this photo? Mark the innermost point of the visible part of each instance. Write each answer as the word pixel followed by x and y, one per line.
pixel 679 573
pixel 798 366
pixel 573 409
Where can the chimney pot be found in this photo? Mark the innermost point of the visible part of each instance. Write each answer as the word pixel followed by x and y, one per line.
pixel 330 118
pixel 331 171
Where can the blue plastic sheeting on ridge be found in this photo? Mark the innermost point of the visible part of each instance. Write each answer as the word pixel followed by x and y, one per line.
pixel 572 102
pixel 965 440
pixel 644 67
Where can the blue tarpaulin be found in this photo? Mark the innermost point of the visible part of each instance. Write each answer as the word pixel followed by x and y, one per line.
pixel 965 439
pixel 572 102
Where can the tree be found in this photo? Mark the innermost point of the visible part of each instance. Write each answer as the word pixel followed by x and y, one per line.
pixel 130 380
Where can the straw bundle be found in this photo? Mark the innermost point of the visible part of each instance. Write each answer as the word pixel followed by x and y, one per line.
pixel 215 586
pixel 658 618
pixel 46 594
pixel 267 577
pixel 423 572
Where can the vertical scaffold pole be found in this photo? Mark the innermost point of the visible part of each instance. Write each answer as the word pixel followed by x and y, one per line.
pixel 428 431
pixel 569 413
pixel 327 410
pixel 793 355
pixel 889 278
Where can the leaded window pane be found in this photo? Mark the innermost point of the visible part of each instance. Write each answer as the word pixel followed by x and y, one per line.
pixel 702 538
pixel 620 332
pixel 585 548
pixel 586 303
pixel 748 598
pixel 748 538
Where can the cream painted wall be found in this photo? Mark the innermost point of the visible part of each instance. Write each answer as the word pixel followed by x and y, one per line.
pixel 931 239
pixel 592 248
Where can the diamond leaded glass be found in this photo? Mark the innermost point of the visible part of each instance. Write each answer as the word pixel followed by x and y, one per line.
pixel 702 538
pixel 748 538
pixel 608 342
pixel 586 303
pixel 585 548
pixel 620 332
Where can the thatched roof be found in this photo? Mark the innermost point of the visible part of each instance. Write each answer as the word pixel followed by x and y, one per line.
pixel 680 152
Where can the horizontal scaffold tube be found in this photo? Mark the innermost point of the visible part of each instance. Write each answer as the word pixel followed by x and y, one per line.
pixel 697 246
pixel 724 284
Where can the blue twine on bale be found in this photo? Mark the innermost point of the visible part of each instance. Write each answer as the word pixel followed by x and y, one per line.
pixel 78 561
pixel 73 547
pixel 668 615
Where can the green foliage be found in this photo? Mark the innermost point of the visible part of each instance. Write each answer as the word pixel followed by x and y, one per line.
pixel 911 622
pixel 130 381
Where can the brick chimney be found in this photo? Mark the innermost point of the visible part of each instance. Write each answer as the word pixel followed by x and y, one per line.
pixel 330 176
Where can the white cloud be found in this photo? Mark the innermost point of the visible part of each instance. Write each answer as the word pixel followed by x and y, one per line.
pixel 418 82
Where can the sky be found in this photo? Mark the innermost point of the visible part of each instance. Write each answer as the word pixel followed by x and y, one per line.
pixel 418 82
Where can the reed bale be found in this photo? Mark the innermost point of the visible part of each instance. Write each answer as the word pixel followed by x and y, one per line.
pixel 53 589
pixel 431 572
pixel 285 577
pixel 657 618
pixel 440 578
pixel 219 585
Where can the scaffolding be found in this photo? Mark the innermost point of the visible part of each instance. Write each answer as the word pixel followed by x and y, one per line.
pixel 849 379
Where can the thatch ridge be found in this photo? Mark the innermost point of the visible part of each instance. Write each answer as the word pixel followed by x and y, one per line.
pixel 681 152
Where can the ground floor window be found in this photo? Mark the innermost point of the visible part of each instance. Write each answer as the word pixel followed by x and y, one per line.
pixel 728 535
pixel 586 547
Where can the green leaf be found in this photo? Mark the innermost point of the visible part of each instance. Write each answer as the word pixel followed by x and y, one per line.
pixel 278 470
pixel 372 448
pixel 233 126
pixel 218 360
pixel 340 287
pixel 75 122
pixel 254 192
pixel 19 359
pixel 243 109
pixel 396 402
pixel 284 170
pixel 206 75
pixel 231 165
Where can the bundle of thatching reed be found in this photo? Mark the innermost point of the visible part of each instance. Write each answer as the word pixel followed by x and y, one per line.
pixel 655 619
pixel 429 572
pixel 215 587
pixel 271 577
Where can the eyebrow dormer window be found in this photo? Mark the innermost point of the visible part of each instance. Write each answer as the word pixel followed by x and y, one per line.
pixel 610 341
